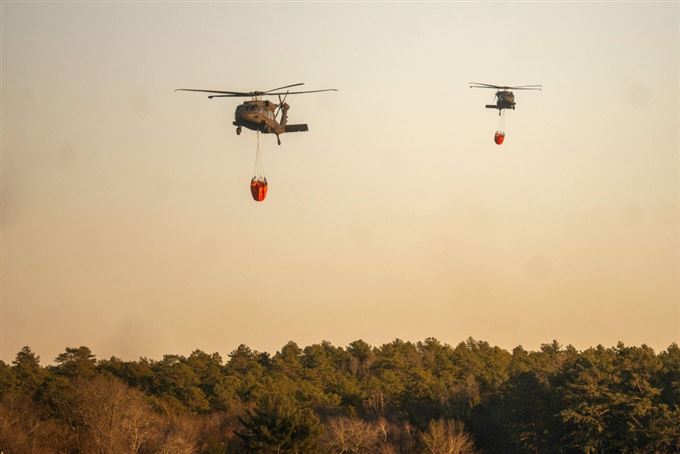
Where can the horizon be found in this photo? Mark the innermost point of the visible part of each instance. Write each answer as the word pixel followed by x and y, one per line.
pixel 225 357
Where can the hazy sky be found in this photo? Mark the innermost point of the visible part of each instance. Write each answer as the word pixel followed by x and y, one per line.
pixel 128 226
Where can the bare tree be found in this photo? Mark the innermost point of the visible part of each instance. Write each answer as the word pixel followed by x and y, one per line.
pixel 117 419
pixel 179 434
pixel 176 443
pixel 23 431
pixel 383 428
pixel 447 437
pixel 351 436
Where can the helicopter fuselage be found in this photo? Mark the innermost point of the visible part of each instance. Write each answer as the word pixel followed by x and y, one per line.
pixel 261 116
pixel 258 116
pixel 504 100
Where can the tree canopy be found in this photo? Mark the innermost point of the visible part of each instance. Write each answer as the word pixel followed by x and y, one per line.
pixel 400 397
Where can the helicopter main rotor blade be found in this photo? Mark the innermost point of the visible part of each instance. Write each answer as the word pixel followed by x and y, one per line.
pixel 233 93
pixel 505 87
pixel 480 85
pixel 526 88
pixel 229 96
pixel 301 92
pixel 287 86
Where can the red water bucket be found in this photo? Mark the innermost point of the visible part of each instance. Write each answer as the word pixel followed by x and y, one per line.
pixel 499 137
pixel 258 188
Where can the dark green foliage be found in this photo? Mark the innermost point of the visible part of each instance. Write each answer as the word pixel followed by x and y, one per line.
pixel 76 362
pixel 135 373
pixel 175 379
pixel 557 399
pixel 8 380
pixel 610 398
pixel 670 374
pixel 27 370
pixel 279 424
pixel 289 360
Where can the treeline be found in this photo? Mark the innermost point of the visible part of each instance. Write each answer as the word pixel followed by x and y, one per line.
pixel 401 397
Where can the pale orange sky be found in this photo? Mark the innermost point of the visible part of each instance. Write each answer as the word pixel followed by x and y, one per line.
pixel 127 223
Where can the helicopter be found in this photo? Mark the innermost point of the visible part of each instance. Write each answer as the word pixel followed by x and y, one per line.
pixel 262 115
pixel 504 99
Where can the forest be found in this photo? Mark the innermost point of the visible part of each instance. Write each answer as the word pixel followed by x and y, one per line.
pixel 401 397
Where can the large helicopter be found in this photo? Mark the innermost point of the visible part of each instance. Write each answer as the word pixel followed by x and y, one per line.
pixel 260 115
pixel 505 99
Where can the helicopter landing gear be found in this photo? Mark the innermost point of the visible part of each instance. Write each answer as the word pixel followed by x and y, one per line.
pixel 238 131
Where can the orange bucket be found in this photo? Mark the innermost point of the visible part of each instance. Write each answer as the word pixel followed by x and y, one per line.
pixel 499 137
pixel 258 188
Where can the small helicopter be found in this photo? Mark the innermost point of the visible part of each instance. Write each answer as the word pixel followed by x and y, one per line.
pixel 504 99
pixel 260 115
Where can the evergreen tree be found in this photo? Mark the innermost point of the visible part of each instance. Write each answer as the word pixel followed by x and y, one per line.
pixel 76 362
pixel 8 381
pixel 27 370
pixel 278 424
